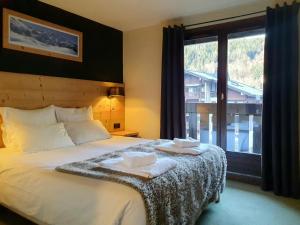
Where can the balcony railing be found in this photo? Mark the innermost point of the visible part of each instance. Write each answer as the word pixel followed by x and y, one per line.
pixel 243 125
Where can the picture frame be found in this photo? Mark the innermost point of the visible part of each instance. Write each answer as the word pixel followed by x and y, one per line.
pixel 29 34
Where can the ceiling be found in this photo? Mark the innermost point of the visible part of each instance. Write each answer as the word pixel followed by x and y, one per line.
pixel 132 14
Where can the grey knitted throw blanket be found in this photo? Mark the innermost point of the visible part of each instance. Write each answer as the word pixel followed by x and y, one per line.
pixel 176 197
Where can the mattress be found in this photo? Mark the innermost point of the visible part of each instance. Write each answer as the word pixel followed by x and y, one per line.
pixel 30 186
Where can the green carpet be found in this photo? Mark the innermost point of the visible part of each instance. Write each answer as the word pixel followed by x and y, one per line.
pixel 241 204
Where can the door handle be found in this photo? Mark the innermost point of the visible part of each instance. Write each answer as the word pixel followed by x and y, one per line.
pixel 222 96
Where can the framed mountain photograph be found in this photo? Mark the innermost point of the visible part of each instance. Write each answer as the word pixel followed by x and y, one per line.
pixel 28 34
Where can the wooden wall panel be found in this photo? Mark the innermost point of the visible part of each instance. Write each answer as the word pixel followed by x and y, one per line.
pixel 26 91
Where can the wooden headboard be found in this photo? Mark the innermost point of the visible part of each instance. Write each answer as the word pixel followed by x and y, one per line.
pixel 27 91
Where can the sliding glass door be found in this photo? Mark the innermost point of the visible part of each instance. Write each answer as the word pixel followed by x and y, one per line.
pixel 201 65
pixel 223 91
pixel 245 91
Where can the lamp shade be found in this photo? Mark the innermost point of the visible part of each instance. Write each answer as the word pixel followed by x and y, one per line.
pixel 116 91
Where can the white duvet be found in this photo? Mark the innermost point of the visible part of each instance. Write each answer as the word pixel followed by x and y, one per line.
pixel 30 186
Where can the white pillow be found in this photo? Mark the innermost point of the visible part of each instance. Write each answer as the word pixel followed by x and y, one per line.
pixel 7 137
pixel 73 114
pixel 44 116
pixel 86 131
pixel 30 138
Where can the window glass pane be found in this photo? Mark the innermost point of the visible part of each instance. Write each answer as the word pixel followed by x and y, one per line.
pixel 245 91
pixel 201 65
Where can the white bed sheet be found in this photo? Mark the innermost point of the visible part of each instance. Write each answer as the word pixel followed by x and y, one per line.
pixel 30 186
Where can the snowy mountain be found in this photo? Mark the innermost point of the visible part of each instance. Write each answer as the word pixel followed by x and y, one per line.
pixel 23 31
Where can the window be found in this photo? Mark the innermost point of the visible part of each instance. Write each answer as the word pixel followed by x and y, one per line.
pixel 201 65
pixel 191 90
pixel 244 91
pixel 228 61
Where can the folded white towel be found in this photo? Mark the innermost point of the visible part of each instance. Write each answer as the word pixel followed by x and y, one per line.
pixel 186 143
pixel 171 147
pixel 138 159
pixel 161 166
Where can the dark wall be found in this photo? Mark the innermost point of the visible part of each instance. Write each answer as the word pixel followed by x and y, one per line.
pixel 102 47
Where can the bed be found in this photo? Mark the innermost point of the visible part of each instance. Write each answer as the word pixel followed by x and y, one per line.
pixel 32 186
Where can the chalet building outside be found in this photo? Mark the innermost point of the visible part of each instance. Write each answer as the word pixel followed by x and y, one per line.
pixel 244 110
pixel 202 87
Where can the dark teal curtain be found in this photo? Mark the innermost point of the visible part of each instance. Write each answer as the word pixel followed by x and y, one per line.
pixel 280 155
pixel 172 84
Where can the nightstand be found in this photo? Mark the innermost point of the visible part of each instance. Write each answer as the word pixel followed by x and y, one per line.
pixel 125 133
